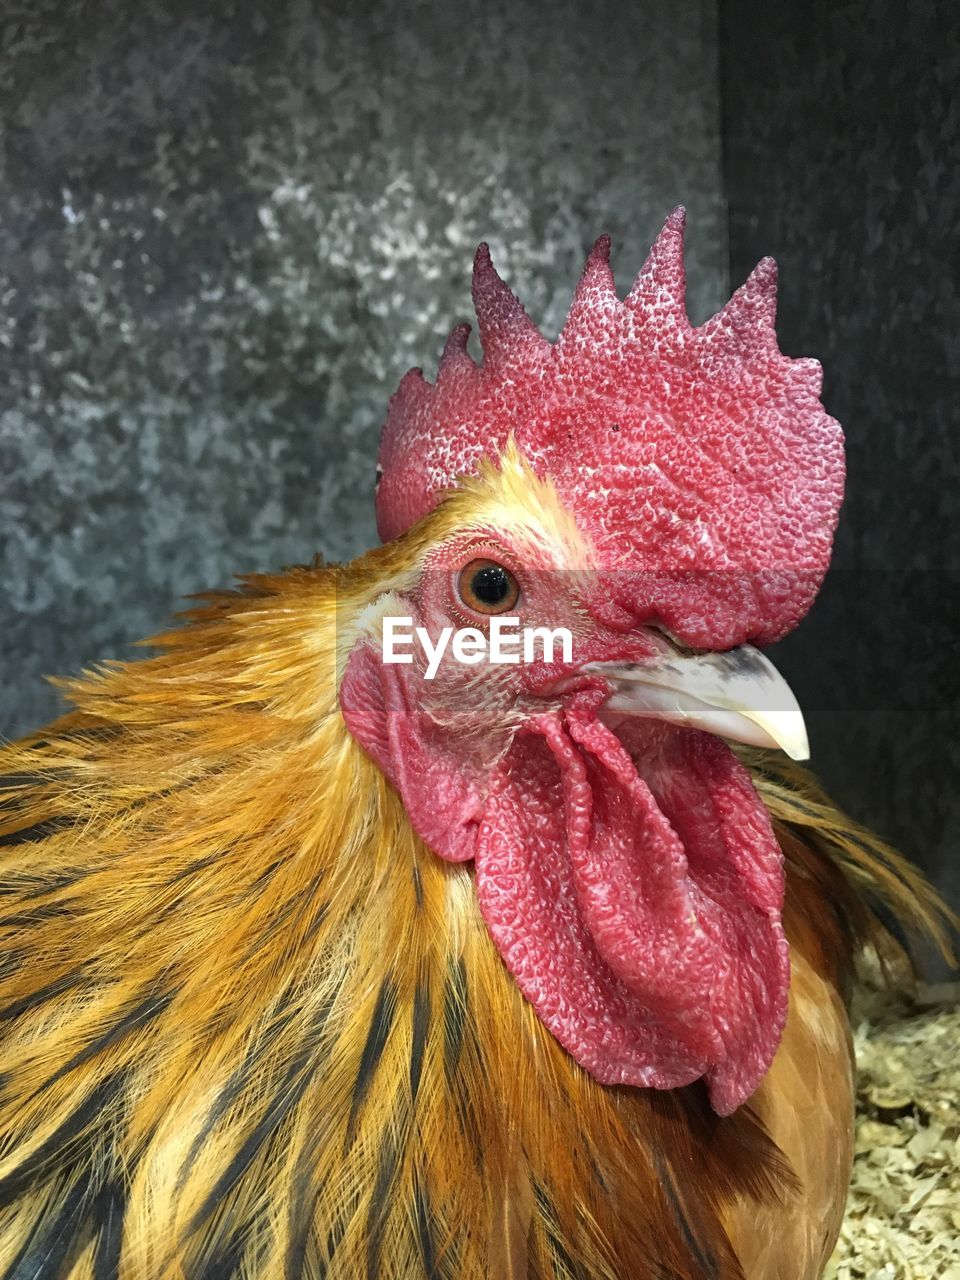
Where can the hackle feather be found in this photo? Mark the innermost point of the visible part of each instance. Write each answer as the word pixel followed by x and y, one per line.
pixel 251 1027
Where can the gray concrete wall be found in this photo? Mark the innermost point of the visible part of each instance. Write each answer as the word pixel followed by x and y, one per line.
pixel 225 233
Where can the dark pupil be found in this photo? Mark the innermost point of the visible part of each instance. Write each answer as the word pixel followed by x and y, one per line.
pixel 491 585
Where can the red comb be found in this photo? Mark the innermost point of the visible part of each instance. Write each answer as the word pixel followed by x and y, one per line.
pixel 699 461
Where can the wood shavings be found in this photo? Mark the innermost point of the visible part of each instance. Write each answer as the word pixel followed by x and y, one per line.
pixel 903 1209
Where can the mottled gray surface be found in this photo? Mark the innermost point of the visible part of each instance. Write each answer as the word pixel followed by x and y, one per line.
pixel 842 158
pixel 224 238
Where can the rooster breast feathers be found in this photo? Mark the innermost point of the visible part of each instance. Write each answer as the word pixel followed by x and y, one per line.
pixel 253 1026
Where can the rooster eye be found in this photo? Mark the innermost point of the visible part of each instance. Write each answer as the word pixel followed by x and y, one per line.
pixel 487 587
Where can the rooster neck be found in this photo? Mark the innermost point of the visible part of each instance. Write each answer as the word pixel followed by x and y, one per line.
pixel 253 1019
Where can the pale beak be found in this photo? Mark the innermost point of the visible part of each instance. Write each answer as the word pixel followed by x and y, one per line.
pixel 738 695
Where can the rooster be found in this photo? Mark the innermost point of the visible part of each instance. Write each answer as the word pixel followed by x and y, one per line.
pixel 314 967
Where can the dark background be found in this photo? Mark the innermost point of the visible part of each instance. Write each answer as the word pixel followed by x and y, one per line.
pixel 841 158
pixel 227 230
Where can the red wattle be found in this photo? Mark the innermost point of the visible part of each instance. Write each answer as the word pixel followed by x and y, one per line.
pixel 633 886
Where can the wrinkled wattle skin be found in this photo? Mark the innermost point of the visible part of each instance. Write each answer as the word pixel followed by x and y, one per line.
pixel 639 908
pixel 628 872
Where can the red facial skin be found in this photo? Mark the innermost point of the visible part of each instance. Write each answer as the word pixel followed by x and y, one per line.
pixel 627 871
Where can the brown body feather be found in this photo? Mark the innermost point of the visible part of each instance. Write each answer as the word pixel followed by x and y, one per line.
pixel 251 1027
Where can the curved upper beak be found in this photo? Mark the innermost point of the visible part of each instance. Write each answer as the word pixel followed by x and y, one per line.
pixel 738 695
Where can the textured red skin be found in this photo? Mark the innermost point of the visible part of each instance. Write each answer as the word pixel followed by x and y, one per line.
pixel 630 879
pixel 639 915
pixel 698 460
pixel 441 796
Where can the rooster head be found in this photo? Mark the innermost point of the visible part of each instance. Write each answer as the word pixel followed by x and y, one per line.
pixel 659 495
